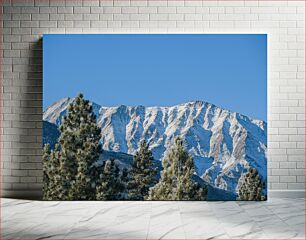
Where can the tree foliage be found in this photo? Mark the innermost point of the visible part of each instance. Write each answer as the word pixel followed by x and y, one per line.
pixel 142 175
pixel 70 165
pixel 110 185
pixel 176 178
pixel 53 189
pixel 252 187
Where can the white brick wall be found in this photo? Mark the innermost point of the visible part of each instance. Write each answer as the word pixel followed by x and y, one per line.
pixel 24 21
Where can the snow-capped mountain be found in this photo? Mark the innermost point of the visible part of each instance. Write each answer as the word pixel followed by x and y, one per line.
pixel 223 143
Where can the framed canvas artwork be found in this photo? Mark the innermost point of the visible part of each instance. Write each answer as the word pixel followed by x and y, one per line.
pixel 155 117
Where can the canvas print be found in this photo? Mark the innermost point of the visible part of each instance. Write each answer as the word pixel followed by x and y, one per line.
pixel 155 117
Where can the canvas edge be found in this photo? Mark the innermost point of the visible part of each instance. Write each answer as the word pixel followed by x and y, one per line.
pixel 37 194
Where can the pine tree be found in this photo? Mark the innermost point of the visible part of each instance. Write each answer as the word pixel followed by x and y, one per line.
pixel 53 189
pixel 110 185
pixel 46 171
pixel 252 187
pixel 176 178
pixel 79 149
pixel 124 182
pixel 142 175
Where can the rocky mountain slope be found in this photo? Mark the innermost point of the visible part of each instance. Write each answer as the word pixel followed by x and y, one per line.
pixel 223 143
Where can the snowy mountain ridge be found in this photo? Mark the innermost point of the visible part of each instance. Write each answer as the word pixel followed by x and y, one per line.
pixel 223 144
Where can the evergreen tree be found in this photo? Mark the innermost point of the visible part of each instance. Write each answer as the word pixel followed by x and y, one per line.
pixel 124 182
pixel 110 185
pixel 46 171
pixel 252 187
pixel 80 148
pixel 142 175
pixel 176 178
pixel 53 189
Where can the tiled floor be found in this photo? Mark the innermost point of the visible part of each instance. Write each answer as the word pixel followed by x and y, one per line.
pixel 274 219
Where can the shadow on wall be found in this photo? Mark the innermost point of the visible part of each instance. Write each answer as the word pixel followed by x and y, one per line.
pixel 29 155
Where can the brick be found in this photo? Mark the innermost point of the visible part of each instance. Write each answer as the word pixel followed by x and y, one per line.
pixel 46 24
pixel 139 17
pixel 11 179
pixel 98 24
pixel 44 3
pixel 273 179
pixel 158 3
pixel 193 17
pixel 111 10
pixel 147 9
pixel 11 24
pixel 91 3
pixel 242 10
pixel 229 17
pixel 287 179
pixel 261 10
pixel 23 3
pixel 280 172
pixel 296 172
pixel 191 3
pixel 148 24
pixel 297 138
pixel 29 10
pixel 63 10
pixel 57 3
pixel 74 3
pixel 222 24
pixel 166 10
pixel 296 186
pixel 73 16
pixel 21 31
pixel 81 9
pixel 81 24
pixel 22 16
pixel 287 165
pixel 231 3
pixel 277 186
pixel 185 10
pixel 11 9
pixel 105 17
pixel 106 2
pixel 160 17
pixel 121 17
pixel 130 24
pixel 184 24
pixel 176 17
pixel 29 24
pixel 129 10
pixel 19 173
pixel 28 179
pixel 91 16
pixel 57 17
pixel 40 16
pixel 300 179
pixel 96 10
pixel 202 10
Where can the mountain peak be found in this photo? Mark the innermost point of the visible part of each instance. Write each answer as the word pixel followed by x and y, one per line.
pixel 195 102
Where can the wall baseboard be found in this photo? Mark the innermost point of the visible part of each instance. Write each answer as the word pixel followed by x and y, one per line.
pixel 286 194
pixel 37 194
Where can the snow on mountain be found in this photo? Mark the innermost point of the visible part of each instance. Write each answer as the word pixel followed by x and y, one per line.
pixel 57 110
pixel 223 144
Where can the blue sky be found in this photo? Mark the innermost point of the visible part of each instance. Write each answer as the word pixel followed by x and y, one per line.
pixel 228 70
